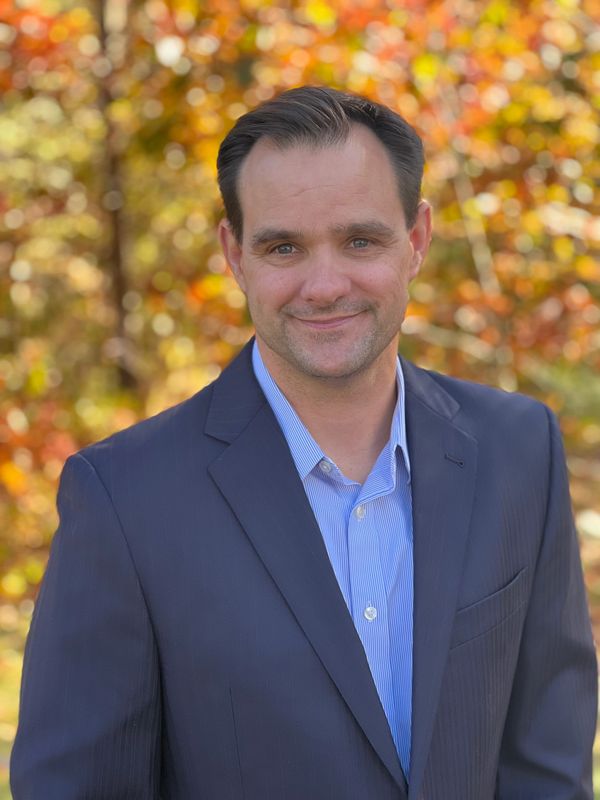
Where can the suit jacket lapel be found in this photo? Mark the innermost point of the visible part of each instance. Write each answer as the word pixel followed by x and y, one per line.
pixel 257 477
pixel 443 467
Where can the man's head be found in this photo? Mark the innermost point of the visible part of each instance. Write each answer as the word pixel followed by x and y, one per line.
pixel 320 117
pixel 332 232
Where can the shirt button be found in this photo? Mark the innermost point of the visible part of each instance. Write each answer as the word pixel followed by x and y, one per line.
pixel 370 613
pixel 359 512
pixel 325 466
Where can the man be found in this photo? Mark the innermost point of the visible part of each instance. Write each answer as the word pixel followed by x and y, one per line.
pixel 330 574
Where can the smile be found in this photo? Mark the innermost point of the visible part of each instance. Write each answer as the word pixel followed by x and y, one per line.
pixel 328 323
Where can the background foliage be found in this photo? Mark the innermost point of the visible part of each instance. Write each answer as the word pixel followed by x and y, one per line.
pixel 114 299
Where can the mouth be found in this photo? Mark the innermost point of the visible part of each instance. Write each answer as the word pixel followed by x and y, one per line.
pixel 327 323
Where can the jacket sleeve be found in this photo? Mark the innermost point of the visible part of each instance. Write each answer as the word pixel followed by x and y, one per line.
pixel 89 722
pixel 547 743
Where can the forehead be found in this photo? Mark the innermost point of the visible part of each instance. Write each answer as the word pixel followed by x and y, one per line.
pixel 303 180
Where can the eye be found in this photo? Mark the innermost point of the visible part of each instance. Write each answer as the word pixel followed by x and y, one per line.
pixel 284 249
pixel 359 243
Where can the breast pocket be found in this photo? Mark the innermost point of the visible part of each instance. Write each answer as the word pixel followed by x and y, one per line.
pixel 485 614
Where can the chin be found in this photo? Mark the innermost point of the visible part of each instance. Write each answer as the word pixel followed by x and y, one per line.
pixel 326 360
pixel 332 368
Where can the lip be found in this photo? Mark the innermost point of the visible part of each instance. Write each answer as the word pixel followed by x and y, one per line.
pixel 327 324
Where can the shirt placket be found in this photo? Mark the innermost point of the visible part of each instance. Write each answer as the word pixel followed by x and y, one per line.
pixel 369 606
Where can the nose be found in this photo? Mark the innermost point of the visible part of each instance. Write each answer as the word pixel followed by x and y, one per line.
pixel 325 280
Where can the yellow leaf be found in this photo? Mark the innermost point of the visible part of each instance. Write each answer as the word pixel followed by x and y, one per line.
pixel 13 478
pixel 563 248
pixel 426 68
pixel 320 14
pixel 14 584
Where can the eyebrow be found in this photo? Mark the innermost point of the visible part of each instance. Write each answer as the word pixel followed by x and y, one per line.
pixel 266 235
pixel 368 228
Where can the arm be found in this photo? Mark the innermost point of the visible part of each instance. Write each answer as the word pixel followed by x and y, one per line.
pixel 546 751
pixel 90 699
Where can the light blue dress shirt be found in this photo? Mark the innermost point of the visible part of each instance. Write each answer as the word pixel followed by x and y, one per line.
pixel 367 530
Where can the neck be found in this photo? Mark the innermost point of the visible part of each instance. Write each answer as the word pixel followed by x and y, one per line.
pixel 349 418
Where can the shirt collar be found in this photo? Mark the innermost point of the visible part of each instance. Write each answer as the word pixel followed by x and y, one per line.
pixel 305 451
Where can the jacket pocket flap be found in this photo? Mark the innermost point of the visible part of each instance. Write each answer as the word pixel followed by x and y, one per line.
pixel 485 614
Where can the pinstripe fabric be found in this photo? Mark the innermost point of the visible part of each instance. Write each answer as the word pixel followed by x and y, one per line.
pixel 367 530
pixel 190 640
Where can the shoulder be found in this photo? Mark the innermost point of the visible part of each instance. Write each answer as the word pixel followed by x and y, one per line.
pixel 484 412
pixel 140 441
pixel 478 400
pixel 183 439
pixel 172 431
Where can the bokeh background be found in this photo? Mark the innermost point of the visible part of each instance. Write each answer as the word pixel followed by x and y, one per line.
pixel 115 301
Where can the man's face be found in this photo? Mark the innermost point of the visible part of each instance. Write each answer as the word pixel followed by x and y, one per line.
pixel 326 258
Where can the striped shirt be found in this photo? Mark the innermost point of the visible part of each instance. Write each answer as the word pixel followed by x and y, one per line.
pixel 367 530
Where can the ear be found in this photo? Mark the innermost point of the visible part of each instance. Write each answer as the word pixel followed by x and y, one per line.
pixel 420 237
pixel 232 250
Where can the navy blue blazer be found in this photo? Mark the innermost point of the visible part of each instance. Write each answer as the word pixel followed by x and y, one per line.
pixel 190 641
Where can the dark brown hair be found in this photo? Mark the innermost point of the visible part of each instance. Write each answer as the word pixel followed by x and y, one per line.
pixel 320 116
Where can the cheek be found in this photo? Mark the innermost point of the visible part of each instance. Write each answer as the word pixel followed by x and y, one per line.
pixel 383 284
pixel 270 291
